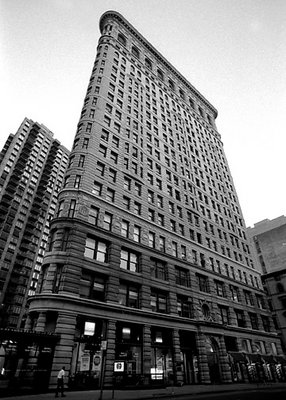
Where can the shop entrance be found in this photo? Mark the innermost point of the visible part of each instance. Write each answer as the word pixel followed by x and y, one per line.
pixel 213 362
pixel 87 356
pixel 129 351
pixel 189 357
pixel 162 367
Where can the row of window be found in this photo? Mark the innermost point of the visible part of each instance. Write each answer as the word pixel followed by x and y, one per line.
pixel 130 261
pixel 129 294
pixel 135 233
pixel 159 218
pixel 171 84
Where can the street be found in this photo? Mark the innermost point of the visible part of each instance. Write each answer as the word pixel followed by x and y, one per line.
pixel 267 394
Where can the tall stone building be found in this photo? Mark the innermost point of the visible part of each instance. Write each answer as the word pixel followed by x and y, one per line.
pixel 32 166
pixel 269 242
pixel 148 274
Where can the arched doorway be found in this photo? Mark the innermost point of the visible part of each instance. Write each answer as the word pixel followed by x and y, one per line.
pixel 212 349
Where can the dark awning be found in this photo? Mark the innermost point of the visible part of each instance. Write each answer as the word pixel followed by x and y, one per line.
pixel 280 359
pixel 27 336
pixel 237 356
pixel 268 359
pixel 253 358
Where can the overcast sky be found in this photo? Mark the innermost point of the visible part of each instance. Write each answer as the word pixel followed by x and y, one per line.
pixel 232 51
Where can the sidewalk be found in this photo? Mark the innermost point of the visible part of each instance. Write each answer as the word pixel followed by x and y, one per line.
pixel 151 394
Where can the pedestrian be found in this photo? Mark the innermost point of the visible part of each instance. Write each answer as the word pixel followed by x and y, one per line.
pixel 60 383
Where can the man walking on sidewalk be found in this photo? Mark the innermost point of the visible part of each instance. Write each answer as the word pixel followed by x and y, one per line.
pixel 60 383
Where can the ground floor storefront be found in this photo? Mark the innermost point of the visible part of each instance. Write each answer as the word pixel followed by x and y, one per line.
pixel 105 347
pixel 128 354
pixel 26 359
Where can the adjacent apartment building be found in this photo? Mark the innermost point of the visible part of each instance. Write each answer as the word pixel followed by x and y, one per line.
pixel 32 167
pixel 269 242
pixel 148 276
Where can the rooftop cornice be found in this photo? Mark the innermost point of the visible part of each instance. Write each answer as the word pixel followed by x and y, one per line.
pixel 117 16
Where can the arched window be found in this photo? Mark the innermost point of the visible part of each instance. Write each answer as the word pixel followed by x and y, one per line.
pixel 280 287
pixel 182 94
pixel 192 104
pixel 206 311
pixel 171 84
pixel 148 63
pixel 135 51
pixel 121 39
pixel 160 74
pixel 201 111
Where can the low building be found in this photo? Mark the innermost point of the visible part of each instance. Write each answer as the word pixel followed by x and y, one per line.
pixel 269 242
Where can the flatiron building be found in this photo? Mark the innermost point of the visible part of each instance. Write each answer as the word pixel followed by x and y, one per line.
pixel 148 271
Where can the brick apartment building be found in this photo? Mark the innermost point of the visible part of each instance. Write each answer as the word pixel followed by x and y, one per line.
pixel 32 167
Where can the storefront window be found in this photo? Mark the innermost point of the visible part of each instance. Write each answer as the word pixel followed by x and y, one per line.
pixel 161 356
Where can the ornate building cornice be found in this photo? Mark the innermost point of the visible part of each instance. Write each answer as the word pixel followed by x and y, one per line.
pixel 118 17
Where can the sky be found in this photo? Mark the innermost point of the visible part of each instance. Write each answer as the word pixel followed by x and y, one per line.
pixel 232 51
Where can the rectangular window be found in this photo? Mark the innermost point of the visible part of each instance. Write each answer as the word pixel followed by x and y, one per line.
pixel 114 157
pixel 260 302
pixel 160 219
pixel 102 150
pixel 235 295
pixel 150 196
pixel 174 249
pixel 128 295
pixel 224 314
pixel 85 143
pixel 240 318
pixel 93 215
pixel 127 184
pixel 57 278
pixel 71 211
pixel 220 290
pixel 97 188
pixel 95 249
pixel 160 201
pixel 60 208
pixel 203 283
pixel 104 135
pixel 184 307
pixel 162 245
pixel 266 323
pixel 97 289
pixel 126 202
pixel 137 188
pixel 137 208
pixel 81 161
pixel 183 252
pixel 158 269
pixel 136 233
pixel 151 238
pixel 253 321
pixel 158 302
pixel 182 277
pixel 125 228
pixel 248 298
pixel 107 221
pixel 77 181
pixel 110 195
pixel 129 260
pixel 151 215
pixel 100 168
